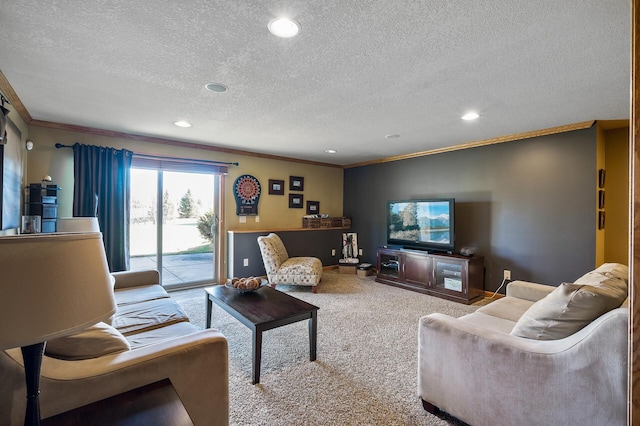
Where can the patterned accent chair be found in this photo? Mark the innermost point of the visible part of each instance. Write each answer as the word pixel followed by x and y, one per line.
pixel 282 269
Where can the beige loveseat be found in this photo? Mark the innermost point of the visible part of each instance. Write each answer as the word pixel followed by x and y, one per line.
pixel 481 369
pixel 151 339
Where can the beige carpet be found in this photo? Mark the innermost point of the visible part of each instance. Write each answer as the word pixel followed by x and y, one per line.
pixel 365 373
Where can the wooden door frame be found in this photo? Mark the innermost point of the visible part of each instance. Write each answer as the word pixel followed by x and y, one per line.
pixel 634 243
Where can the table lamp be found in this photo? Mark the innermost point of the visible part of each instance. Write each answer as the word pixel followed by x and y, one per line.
pixel 52 285
pixel 78 224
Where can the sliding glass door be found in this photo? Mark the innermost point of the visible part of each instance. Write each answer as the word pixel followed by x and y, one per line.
pixel 173 216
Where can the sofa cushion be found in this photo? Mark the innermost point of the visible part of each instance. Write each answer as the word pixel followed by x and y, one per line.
pixel 616 269
pixel 490 322
pixel 160 334
pixel 138 317
pixel 126 279
pixel 567 309
pixel 129 295
pixel 605 276
pixel 98 340
pixel 298 270
pixel 509 308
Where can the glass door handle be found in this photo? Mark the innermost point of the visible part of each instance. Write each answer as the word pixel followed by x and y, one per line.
pixel 215 226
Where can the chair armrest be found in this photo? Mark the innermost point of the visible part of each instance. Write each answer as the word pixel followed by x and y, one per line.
pixel 528 290
pixel 126 279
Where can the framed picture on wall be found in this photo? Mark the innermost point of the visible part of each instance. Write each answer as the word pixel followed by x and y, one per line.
pixel 295 201
pixel 296 183
pixel 601 199
pixel 600 220
pixel 276 187
pixel 313 207
pixel 601 176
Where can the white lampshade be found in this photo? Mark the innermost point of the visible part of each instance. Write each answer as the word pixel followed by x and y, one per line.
pixel 78 224
pixel 52 285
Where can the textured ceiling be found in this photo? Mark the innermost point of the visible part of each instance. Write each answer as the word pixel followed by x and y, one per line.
pixel 359 70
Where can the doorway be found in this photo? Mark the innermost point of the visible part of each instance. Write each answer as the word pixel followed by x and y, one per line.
pixel 173 225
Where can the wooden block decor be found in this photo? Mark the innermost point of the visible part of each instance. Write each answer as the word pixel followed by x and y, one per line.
pixel 326 222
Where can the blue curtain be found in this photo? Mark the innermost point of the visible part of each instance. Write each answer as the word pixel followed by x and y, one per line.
pixel 102 189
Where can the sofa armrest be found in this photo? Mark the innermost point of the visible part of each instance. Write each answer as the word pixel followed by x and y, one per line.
pixel 528 290
pixel 196 364
pixel 126 279
pixel 484 376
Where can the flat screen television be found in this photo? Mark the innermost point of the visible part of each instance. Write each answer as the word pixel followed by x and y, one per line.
pixel 422 224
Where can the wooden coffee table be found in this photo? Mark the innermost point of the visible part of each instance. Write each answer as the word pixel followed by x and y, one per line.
pixel 263 309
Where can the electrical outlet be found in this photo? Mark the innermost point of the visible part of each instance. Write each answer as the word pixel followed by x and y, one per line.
pixel 333 252
pixel 257 219
pixel 360 252
pixel 245 262
pixel 507 274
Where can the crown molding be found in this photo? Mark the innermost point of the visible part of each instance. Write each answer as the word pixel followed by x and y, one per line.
pixel 172 142
pixel 9 93
pixel 483 142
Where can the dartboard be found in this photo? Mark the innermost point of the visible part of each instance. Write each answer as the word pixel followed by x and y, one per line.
pixel 247 189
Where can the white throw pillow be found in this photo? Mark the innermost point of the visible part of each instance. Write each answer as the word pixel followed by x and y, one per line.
pixel 604 272
pixel 569 308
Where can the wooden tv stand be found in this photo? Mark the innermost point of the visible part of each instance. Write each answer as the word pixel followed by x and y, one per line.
pixel 449 276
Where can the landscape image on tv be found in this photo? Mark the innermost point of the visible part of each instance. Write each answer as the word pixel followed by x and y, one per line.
pixel 426 221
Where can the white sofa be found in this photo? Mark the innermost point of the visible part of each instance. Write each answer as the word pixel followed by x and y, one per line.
pixel 479 368
pixel 153 340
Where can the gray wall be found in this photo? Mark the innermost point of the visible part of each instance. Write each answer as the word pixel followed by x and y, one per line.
pixel 527 206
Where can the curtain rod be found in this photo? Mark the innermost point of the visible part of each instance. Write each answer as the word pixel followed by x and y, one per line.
pixel 160 157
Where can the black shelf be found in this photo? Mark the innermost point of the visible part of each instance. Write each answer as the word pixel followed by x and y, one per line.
pixel 43 201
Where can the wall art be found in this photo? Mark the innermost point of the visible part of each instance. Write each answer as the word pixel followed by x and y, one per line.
pixel 313 207
pixel 296 183
pixel 295 201
pixel 276 187
pixel 601 199
pixel 246 190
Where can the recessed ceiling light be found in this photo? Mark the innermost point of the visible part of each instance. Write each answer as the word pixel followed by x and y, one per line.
pixel 392 136
pixel 182 124
pixel 284 27
pixel 470 116
pixel 330 151
pixel 216 87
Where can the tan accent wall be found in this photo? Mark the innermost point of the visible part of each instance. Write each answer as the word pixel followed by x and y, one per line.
pixel 321 183
pixel 617 196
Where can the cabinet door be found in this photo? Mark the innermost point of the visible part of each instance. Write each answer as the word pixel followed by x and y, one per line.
pixel 450 276
pixel 416 269
pixel 390 264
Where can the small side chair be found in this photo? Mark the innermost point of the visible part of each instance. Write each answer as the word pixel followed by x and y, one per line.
pixel 282 269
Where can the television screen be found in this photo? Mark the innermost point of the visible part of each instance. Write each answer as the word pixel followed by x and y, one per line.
pixel 425 224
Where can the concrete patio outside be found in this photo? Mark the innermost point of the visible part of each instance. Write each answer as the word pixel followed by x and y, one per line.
pixel 178 269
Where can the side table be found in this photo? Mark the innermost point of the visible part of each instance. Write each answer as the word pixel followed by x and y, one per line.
pixel 154 404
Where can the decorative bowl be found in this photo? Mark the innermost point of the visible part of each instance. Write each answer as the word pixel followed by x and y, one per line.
pixel 246 285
